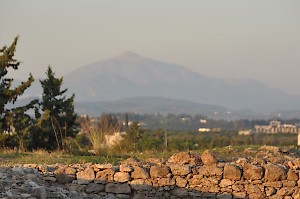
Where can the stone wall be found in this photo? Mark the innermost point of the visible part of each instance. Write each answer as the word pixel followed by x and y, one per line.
pixel 181 176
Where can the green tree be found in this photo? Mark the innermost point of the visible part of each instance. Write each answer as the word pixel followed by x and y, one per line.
pixel 57 120
pixel 10 117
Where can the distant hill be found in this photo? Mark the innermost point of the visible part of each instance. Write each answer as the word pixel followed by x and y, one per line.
pixel 130 75
pixel 149 105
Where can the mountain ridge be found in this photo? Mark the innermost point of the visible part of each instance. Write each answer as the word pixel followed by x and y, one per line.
pixel 130 75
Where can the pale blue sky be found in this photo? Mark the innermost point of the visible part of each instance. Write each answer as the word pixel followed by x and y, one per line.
pixel 256 39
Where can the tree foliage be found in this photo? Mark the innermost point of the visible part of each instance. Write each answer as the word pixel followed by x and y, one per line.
pixel 57 118
pixel 15 118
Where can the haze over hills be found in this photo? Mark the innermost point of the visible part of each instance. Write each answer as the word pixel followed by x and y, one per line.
pixel 131 83
pixel 148 105
pixel 130 75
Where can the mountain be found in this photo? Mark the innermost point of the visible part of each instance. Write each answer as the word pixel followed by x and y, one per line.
pixel 130 75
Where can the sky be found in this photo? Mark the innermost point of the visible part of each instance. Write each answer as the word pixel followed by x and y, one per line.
pixel 257 39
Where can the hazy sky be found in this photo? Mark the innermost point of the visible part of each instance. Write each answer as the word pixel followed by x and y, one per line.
pixel 255 39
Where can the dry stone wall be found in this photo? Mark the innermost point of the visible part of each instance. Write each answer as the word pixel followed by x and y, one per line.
pixel 181 176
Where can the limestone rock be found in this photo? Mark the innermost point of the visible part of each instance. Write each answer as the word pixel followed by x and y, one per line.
pixel 159 171
pixel 139 173
pixel 156 161
pixel 292 175
pixel 181 182
pixel 208 158
pixel 126 168
pixel 180 170
pixel 225 183
pixel 274 173
pixel 103 166
pixel 131 161
pixel 232 172
pixel 121 177
pixel 183 158
pixel 212 170
pixel 88 175
pixel 104 176
pixel 253 172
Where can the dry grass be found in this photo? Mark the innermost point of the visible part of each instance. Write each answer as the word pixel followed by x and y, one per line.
pixel 10 157
pixel 97 133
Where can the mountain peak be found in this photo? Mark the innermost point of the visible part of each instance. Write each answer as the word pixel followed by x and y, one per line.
pixel 128 54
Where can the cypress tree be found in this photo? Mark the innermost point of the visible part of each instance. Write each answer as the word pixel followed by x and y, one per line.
pixel 9 95
pixel 58 119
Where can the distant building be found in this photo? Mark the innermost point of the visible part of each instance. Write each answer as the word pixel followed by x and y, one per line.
pixel 203 121
pixel 276 127
pixel 245 132
pixel 203 130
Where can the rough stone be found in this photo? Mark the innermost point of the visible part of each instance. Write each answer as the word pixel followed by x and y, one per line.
pixel 180 192
pixel 221 180
pixel 103 166
pixel 86 176
pixel 183 158
pixel 180 170
pixel 126 168
pixel 208 158
pixel 212 170
pixel 121 177
pixel 274 173
pixel 159 171
pixel 252 172
pixel 139 173
pixel 39 192
pixel 117 188
pixel 104 176
pixel 181 182
pixel 94 188
pixel 232 172
pixel 292 175
pixel 225 183
pixel 65 175
pixel 141 184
